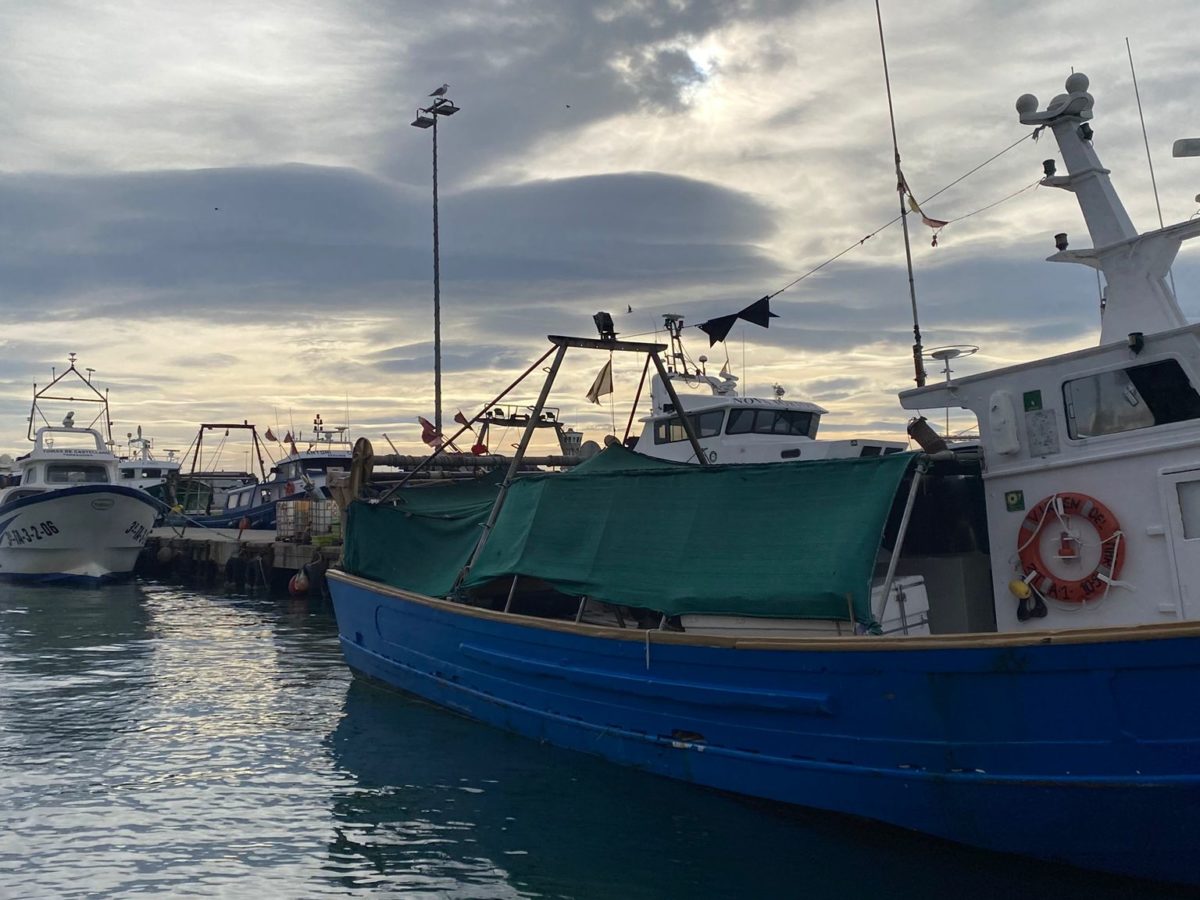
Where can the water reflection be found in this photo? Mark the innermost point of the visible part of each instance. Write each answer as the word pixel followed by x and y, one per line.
pixel 73 664
pixel 464 810
pixel 158 741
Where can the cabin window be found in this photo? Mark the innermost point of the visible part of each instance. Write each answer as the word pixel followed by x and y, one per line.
pixel 792 422
pixel 76 473
pixel 152 473
pixel 30 477
pixel 21 495
pixel 1189 508
pixel 1157 393
pixel 128 473
pixel 707 424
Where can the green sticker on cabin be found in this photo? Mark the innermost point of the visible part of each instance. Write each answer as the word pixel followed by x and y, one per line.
pixel 1014 501
pixel 1033 401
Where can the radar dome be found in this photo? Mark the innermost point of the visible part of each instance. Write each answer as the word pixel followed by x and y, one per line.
pixel 1027 103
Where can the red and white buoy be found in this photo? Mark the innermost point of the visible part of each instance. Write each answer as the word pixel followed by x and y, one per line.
pixel 298 584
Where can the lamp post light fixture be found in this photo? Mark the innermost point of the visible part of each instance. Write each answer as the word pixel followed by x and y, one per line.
pixel 427 117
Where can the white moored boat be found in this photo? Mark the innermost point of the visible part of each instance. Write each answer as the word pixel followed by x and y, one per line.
pixel 736 429
pixel 142 469
pixel 69 519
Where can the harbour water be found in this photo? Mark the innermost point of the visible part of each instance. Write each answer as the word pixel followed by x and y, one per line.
pixel 162 742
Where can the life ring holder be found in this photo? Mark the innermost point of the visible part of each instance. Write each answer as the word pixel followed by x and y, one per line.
pixel 1095 584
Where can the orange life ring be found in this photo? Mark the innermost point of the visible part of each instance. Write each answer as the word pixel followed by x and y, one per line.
pixel 289 489
pixel 1112 548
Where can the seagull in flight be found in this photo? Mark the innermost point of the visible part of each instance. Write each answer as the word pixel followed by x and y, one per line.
pixel 440 92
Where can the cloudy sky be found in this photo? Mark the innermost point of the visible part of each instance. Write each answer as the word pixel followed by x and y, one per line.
pixel 222 208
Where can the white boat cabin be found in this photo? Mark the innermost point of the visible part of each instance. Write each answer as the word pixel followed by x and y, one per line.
pixel 142 469
pixel 63 456
pixel 1091 459
pixel 736 429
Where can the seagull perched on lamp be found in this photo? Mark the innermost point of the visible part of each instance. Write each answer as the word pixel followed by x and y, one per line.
pixel 440 92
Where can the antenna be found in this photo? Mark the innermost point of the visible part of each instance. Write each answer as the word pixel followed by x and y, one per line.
pixel 901 189
pixel 944 355
pixel 1146 140
pixel 674 326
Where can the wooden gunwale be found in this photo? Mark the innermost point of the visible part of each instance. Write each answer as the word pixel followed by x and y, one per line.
pixel 865 643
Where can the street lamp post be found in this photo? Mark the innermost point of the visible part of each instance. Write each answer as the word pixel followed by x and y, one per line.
pixel 427 117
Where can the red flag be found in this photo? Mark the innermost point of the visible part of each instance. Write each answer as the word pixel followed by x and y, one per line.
pixel 270 435
pixel 287 438
pixel 429 434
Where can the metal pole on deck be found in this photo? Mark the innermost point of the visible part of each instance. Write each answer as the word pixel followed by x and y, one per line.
pixel 516 461
pixel 922 467
pixel 432 456
pixel 683 416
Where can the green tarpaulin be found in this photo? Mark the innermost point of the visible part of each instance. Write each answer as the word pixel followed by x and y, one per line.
pixel 781 539
pixel 421 543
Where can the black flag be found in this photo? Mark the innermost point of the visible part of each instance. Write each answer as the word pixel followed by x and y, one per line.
pixel 717 329
pixel 759 313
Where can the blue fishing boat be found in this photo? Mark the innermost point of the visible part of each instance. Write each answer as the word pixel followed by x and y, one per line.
pixel 300 475
pixel 995 643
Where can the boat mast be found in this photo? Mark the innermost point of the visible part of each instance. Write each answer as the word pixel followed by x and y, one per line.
pixel 902 190
pixel 1137 297
pixel 99 398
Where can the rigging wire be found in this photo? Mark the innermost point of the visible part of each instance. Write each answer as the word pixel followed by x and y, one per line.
pixel 896 219
pixel 1149 159
pixel 861 241
pixel 1025 137
pixel 1015 193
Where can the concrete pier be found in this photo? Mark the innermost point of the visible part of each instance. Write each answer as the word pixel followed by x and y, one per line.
pixel 215 556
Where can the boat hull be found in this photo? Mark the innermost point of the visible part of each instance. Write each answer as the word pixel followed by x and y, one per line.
pixel 253 518
pixel 1073 748
pixel 87 534
pixel 260 517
